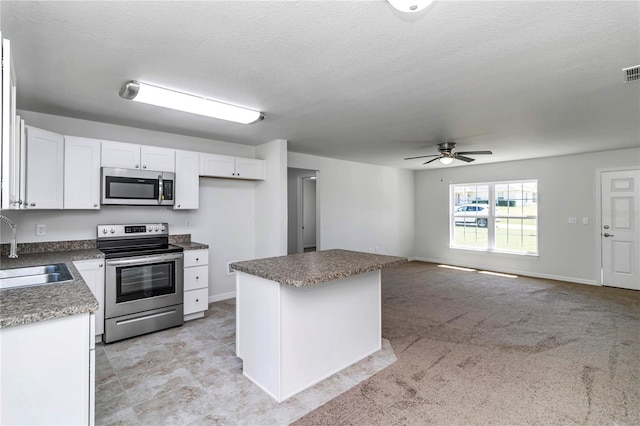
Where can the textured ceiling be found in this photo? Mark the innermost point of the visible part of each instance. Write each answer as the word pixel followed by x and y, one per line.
pixel 355 80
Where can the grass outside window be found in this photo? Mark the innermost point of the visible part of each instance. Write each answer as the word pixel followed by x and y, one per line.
pixel 509 225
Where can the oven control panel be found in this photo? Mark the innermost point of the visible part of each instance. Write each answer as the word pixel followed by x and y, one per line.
pixel 133 230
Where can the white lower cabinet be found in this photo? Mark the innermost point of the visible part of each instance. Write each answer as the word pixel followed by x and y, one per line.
pixel 92 272
pixel 196 283
pixel 46 372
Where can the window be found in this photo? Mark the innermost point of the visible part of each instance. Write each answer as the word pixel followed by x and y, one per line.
pixel 498 216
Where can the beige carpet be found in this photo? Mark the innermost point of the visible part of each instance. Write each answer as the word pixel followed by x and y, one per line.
pixel 481 349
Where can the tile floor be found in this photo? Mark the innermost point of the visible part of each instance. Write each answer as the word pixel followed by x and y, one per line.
pixel 190 375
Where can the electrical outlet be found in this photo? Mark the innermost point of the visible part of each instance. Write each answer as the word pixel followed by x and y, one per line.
pixel 187 223
pixel 229 270
pixel 41 230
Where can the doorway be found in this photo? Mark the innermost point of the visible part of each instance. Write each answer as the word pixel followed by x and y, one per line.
pixel 303 207
pixel 620 228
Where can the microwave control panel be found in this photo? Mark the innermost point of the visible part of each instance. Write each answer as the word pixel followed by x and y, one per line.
pixel 167 192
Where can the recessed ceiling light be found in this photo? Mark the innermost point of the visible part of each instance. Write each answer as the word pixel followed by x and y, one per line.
pixel 410 6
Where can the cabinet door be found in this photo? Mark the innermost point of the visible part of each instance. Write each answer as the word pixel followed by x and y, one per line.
pixel 196 258
pixel 187 184
pixel 217 165
pixel 249 168
pixel 119 154
pixel 92 272
pixel 8 141
pixel 196 277
pixel 195 301
pixel 81 173
pixel 44 163
pixel 45 372
pixel 16 166
pixel 160 159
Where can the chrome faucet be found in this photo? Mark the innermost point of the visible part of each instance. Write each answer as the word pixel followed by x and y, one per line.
pixel 13 252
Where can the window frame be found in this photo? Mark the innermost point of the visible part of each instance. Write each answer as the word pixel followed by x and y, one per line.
pixel 492 217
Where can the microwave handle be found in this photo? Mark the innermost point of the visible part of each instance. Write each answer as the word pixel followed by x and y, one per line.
pixel 160 189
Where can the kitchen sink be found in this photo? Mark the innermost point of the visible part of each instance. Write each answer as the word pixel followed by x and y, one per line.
pixel 34 275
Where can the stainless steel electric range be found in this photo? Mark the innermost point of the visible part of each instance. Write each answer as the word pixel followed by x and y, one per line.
pixel 143 281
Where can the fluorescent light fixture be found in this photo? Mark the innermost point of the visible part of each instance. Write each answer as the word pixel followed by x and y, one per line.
pixel 446 160
pixel 167 98
pixel 410 6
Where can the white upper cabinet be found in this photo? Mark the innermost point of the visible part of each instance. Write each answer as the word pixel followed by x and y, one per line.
pixel 9 131
pixel 155 158
pixel 118 154
pixel 44 169
pixel 187 184
pixel 249 168
pixel 133 156
pixel 81 173
pixel 217 165
pixel 214 165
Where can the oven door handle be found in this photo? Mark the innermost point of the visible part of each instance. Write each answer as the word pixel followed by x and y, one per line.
pixel 144 260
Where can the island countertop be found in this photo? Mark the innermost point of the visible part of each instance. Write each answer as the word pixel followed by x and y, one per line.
pixel 301 270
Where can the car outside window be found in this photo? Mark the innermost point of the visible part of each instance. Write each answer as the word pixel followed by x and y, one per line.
pixel 495 216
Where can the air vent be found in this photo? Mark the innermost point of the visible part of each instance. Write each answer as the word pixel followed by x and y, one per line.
pixel 631 74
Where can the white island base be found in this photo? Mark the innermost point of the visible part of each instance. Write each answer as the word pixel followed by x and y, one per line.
pixel 290 338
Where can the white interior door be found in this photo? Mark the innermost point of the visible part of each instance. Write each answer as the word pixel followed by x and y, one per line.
pixel 620 233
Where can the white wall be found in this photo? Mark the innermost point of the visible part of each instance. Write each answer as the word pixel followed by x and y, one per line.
pixel 271 201
pixel 362 206
pixel 566 187
pixel 225 220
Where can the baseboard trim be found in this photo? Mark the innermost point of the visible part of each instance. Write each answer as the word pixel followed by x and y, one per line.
pixel 222 296
pixel 509 271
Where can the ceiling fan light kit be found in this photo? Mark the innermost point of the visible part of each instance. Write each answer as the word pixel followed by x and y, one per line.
pixel 167 98
pixel 410 6
pixel 448 154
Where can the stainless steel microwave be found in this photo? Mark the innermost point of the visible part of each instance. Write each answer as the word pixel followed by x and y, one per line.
pixel 137 187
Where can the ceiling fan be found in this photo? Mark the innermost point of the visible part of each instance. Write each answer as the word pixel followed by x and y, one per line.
pixel 448 154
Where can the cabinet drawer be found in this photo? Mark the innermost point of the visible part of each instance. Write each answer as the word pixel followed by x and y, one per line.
pixel 196 257
pixel 196 277
pixel 196 301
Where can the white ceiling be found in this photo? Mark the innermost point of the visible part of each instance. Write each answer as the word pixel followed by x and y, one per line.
pixel 355 80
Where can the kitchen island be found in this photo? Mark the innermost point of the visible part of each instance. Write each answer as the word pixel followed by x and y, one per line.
pixel 304 317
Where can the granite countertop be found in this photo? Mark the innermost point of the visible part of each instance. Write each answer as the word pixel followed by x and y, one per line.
pixel 24 305
pixel 191 245
pixel 301 270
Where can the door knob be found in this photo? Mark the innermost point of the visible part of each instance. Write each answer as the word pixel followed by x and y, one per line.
pixel 606 234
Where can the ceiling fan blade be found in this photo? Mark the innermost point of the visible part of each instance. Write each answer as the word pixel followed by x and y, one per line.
pixel 423 156
pixel 475 153
pixel 463 158
pixel 431 160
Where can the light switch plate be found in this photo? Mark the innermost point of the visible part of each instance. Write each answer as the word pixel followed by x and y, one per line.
pixel 573 220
